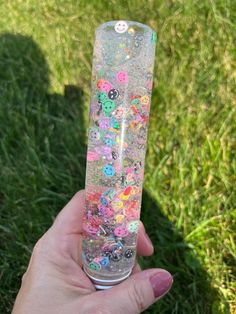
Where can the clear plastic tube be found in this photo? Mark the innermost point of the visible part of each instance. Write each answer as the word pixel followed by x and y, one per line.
pixel 123 63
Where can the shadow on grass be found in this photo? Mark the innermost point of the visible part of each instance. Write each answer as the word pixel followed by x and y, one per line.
pixel 42 155
pixel 46 134
pixel 54 123
pixel 192 291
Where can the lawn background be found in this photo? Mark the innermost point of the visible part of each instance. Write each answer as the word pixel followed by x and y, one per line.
pixel 189 198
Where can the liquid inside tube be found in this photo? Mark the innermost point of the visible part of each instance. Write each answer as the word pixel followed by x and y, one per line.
pixel 119 113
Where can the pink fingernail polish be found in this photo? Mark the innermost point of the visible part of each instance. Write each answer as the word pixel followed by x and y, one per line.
pixel 161 283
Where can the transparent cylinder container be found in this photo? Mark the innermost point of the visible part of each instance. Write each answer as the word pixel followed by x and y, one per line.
pixel 121 89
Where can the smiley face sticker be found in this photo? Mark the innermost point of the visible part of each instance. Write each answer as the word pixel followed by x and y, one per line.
pixel 121 27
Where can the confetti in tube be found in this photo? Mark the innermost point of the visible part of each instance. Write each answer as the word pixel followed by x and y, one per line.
pixel 121 89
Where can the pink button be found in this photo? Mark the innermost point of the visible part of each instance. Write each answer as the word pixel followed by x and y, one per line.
pixel 92 156
pixel 122 77
pixel 107 212
pixel 103 85
pixel 104 123
pixel 90 229
pixel 121 231
pixel 132 215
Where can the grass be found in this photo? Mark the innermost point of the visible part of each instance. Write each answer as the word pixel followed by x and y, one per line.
pixel 189 198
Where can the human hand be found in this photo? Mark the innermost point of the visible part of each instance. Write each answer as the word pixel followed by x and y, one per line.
pixel 55 282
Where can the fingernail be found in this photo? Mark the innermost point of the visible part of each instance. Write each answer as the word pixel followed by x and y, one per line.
pixel 161 283
pixel 148 240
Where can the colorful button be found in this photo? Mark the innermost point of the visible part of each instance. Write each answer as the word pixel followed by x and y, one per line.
pixel 90 229
pixel 95 221
pixel 106 152
pixel 132 215
pixel 104 85
pixel 132 226
pixel 92 156
pixel 108 106
pixel 117 205
pixel 94 197
pixel 126 193
pixel 134 190
pixel 122 77
pixel 129 253
pixel 88 257
pixel 145 100
pixel 109 142
pixel 121 231
pixel 107 254
pixel 104 261
pixel 117 247
pixel 113 94
pixel 101 96
pixel 114 155
pixel 119 218
pixel 119 112
pixel 116 257
pixel 135 101
pixel 123 197
pixel 108 171
pixel 104 123
pixel 114 123
pixel 107 212
pixel 97 259
pixel 94 134
pixel 103 200
pixel 94 266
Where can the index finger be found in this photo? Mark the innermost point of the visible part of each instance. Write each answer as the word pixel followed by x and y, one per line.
pixel 69 220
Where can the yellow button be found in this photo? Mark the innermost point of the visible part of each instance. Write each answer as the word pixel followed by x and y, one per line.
pixel 117 205
pixel 119 218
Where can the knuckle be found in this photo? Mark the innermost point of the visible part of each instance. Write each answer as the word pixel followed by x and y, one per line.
pixel 97 307
pixel 23 279
pixel 40 247
pixel 137 297
pixel 37 247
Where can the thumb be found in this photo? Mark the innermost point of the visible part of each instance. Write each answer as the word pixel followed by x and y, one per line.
pixel 138 292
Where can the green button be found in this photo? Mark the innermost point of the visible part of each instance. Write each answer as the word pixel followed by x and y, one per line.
pixel 108 106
